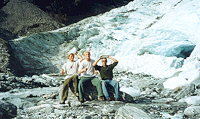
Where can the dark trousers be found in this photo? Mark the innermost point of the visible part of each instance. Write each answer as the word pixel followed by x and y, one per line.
pixel 95 82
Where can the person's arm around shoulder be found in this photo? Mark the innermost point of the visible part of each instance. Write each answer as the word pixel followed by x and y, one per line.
pixel 79 56
pixel 112 58
pixel 95 63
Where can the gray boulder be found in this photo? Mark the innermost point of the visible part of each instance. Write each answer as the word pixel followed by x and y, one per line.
pixel 187 91
pixel 92 94
pixel 192 111
pixel 7 110
pixel 130 112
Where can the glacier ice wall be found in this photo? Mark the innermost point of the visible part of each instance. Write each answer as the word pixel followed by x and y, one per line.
pixel 145 36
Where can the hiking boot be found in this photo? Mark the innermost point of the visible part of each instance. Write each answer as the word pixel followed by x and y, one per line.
pixel 62 102
pixel 101 98
pixel 109 99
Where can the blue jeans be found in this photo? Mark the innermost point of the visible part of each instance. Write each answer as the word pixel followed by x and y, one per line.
pixel 112 83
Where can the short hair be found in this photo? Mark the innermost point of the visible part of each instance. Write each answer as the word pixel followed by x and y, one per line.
pixel 86 52
pixel 69 55
pixel 105 59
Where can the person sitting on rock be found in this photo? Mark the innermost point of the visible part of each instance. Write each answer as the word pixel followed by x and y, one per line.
pixel 71 69
pixel 106 73
pixel 87 72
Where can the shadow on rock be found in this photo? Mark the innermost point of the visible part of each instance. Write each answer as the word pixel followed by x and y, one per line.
pixel 92 94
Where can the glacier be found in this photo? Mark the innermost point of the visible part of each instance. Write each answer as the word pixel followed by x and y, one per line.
pixel 154 37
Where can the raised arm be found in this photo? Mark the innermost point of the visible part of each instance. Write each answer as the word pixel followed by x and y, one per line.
pixel 95 63
pixel 79 56
pixel 112 58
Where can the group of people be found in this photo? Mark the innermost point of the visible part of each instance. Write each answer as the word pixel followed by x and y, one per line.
pixel 86 69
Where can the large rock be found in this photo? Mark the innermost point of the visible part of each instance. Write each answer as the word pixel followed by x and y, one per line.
pixel 23 18
pixel 187 91
pixel 92 94
pixel 130 112
pixel 7 110
pixel 192 110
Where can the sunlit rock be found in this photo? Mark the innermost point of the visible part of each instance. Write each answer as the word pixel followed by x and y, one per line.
pixel 192 111
pixel 191 100
pixel 130 112
pixel 187 91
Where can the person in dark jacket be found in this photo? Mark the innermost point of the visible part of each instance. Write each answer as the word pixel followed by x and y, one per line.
pixel 106 73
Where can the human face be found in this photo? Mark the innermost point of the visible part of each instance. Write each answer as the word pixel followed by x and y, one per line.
pixel 104 61
pixel 71 57
pixel 87 56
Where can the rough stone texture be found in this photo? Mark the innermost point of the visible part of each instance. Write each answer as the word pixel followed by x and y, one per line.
pixel 72 110
pixel 21 17
pixel 187 91
pixel 9 82
pixel 130 112
pixel 192 110
pixel 7 110
pixel 4 56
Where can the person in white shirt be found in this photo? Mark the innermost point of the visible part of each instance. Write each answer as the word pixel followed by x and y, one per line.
pixel 87 72
pixel 71 69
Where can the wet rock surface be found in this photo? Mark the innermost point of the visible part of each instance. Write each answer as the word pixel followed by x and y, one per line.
pixel 38 97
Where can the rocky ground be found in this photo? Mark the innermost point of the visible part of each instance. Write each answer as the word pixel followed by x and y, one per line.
pixel 38 97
